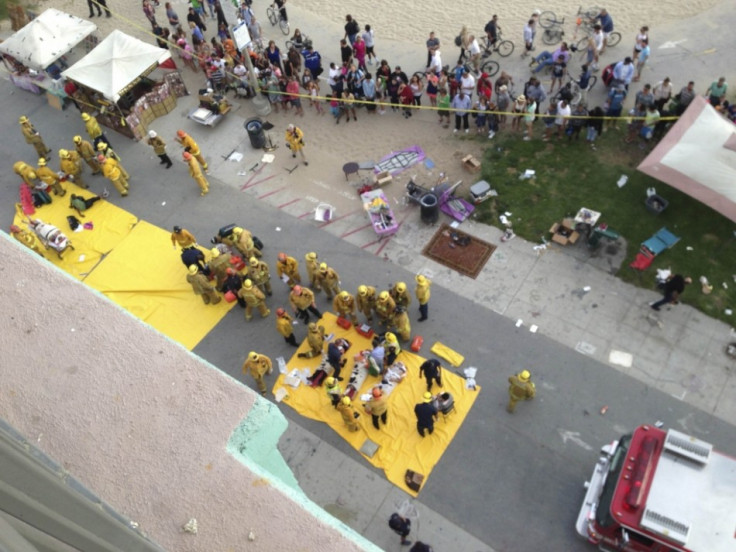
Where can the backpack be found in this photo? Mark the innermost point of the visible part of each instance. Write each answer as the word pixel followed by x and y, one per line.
pixel 607 75
pixel 353 28
pixel 458 40
pixel 396 523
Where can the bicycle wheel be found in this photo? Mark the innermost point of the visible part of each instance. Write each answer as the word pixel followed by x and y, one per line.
pixel 284 24
pixel 591 82
pixel 582 45
pixel 551 36
pixel 272 15
pixel 613 39
pixel 288 45
pixel 505 48
pixel 547 19
pixel 577 95
pixel 491 67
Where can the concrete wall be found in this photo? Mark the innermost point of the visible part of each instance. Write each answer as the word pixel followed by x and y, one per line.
pixel 157 433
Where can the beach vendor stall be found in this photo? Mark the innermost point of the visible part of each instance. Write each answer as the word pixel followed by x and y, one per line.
pixel 36 54
pixel 129 83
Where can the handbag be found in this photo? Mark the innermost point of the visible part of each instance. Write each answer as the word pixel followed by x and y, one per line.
pixel 230 297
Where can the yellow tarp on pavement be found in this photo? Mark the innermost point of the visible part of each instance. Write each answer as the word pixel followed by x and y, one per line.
pixel 111 225
pixel 145 276
pixel 400 446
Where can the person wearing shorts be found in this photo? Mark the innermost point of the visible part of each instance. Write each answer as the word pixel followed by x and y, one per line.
pixel 443 105
pixel 528 37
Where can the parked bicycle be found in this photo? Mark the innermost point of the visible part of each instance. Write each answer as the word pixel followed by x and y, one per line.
pixel 586 22
pixel 553 31
pixel 572 92
pixel 274 16
pixel 306 42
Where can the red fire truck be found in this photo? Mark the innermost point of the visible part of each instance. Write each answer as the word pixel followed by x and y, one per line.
pixel 660 491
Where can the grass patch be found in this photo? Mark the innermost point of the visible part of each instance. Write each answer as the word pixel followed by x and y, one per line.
pixel 571 175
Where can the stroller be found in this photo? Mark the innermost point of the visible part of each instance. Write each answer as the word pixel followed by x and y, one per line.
pixel 51 237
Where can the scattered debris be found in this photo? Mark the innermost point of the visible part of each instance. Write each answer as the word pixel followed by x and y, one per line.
pixel 706 286
pixel 620 358
pixel 251 536
pixel 604 410
pixel 519 323
pixel 527 174
pixel 292 169
pixel 623 179
pixel 533 328
pixel 658 423
pixel 190 526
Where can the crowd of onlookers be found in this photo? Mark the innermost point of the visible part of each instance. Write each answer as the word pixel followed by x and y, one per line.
pixel 474 100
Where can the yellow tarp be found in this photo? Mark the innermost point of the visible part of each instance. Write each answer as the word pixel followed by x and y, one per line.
pixel 145 276
pixel 443 351
pixel 400 446
pixel 110 226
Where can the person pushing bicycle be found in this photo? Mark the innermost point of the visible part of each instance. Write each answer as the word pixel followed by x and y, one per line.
pixel 492 29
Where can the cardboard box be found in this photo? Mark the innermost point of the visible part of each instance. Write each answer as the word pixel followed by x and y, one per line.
pixel 471 164
pixel 383 178
pixel 564 232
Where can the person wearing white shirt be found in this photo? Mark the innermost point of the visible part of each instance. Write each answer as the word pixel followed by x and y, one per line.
pixel 467 83
pixel 435 66
pixel 563 112
pixel 369 39
pixel 474 51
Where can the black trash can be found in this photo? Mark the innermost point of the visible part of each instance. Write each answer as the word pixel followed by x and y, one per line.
pixel 430 208
pixel 256 133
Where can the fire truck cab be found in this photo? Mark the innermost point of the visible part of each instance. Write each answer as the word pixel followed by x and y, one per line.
pixel 660 491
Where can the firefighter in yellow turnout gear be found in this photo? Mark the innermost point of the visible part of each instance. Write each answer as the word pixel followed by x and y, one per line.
pixel 50 178
pixel 367 301
pixel 195 171
pixel 315 339
pixel 253 297
pixel 329 280
pixel 258 365
pixel 521 388
pixel 344 305
pixel 32 136
pixel 349 415
pixel 202 286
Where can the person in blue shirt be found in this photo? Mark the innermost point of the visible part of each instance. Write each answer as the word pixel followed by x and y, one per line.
pixel 607 26
pixel 615 102
pixel 312 61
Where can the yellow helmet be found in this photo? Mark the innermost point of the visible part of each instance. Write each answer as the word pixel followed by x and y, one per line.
pixel 252 355
pixel 345 401
pixel 323 267
pixel 22 119
pixel 63 154
pixel 215 252
pixel 401 287
pixel 77 139
pixel 390 338
pixel 312 326
pixel 383 296
pixel 330 382
pixel 344 295
pixel 86 117
pixel 427 397
pixel 237 230
pixel 524 375
pixel 311 256
pixel 32 175
pixel 248 284
pixel 421 280
pixel 253 261
pixel 193 269
pixel 42 162
pixel 102 146
pixel 362 291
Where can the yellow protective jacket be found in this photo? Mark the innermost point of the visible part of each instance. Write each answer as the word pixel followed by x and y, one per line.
pixel 86 150
pixel 69 166
pixel 252 296
pixel 369 301
pixel 316 338
pixel 260 274
pixel 295 139
pixel 159 146
pixel 328 278
pixel 423 293
pixel 346 307
pixel 386 308
pixel 93 127
pixel 283 325
pixel 188 142
pixel 195 170
pixel 47 175
pixel 303 300
pixel 290 267
pixel 258 368
pixel 521 390
pixel 200 284
pixel 401 299
pixel 111 170
pixel 29 133
pixel 183 238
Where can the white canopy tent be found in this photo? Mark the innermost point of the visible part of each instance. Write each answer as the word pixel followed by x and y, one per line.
pixel 48 37
pixel 698 157
pixel 115 64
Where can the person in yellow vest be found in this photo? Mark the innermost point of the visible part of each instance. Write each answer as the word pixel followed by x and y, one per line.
pixel 50 178
pixel 159 148
pixel 32 136
pixel 288 266
pixel 26 237
pixel 422 292
pixel 183 237
pixel 284 327
pixel 392 349
pixel 385 307
pixel 202 286
pixel 329 280
pixel 253 297
pixel 377 407
pixel 400 295
pixel 334 392
pixel 349 415
pixel 401 324
pixel 71 168
pixel 112 172
pixel 259 272
pixel 195 171
pixel 87 152
pixel 301 300
pixel 521 388
pixel 258 365
pixel 26 172
pixel 219 263
pixel 312 264
pixel 295 142
pixel 367 301
pixel 344 305
pixel 190 146
pixel 93 129
pixel 315 339
pixel 105 149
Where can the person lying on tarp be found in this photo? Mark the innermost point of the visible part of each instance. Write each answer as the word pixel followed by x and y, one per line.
pixel 79 204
